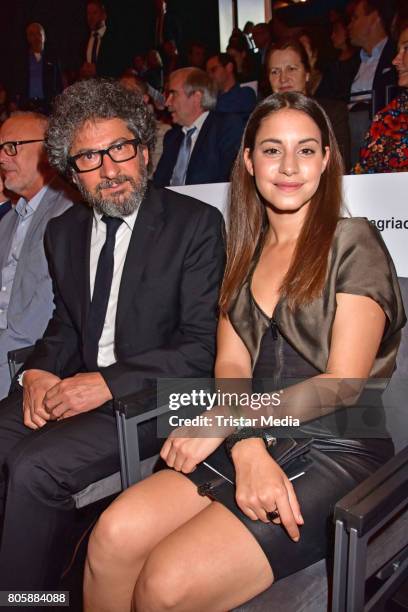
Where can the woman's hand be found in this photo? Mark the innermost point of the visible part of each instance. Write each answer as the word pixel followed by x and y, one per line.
pixel 262 486
pixel 184 449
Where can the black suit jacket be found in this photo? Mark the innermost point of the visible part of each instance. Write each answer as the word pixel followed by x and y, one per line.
pixel 385 76
pixel 167 306
pixel 339 78
pixel 113 55
pixel 213 154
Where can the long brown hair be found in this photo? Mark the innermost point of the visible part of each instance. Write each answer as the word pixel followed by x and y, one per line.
pixel 248 221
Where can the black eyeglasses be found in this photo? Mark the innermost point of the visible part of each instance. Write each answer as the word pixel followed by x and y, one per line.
pixel 92 160
pixel 10 148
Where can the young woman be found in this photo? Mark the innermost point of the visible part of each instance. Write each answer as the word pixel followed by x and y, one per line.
pixel 289 69
pixel 306 294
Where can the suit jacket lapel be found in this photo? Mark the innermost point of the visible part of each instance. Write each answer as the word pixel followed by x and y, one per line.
pixel 34 233
pixel 79 257
pixel 146 231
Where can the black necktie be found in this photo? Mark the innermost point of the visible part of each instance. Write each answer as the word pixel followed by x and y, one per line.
pixel 94 52
pixel 101 293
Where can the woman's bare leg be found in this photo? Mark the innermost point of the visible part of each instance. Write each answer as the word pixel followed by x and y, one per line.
pixel 210 564
pixel 127 532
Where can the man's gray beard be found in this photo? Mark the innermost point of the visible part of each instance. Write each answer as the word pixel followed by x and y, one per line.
pixel 115 207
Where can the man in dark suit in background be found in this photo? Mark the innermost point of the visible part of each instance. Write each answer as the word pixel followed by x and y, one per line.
pixel 38 80
pixel 136 274
pixel 202 146
pixel 105 52
pixel 369 28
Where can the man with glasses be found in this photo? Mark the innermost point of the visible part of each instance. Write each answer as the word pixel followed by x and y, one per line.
pixel 26 297
pixel 136 273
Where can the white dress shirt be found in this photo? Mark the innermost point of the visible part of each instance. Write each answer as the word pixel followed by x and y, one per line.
pixel 101 33
pixel 106 350
pixel 198 124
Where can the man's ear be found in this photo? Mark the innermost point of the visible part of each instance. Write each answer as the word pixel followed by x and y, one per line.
pixel 145 153
pixel 248 161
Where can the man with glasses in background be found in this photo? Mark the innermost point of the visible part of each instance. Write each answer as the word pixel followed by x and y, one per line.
pixel 26 297
pixel 136 273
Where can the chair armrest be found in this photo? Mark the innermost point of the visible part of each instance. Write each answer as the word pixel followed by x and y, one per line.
pixel 141 406
pixel 17 357
pixel 377 499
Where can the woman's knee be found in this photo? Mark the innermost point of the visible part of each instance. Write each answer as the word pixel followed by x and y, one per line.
pixel 117 537
pixel 162 585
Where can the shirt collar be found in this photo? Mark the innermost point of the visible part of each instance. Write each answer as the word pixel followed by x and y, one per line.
pixel 198 123
pixel 129 220
pixel 375 53
pixel 25 208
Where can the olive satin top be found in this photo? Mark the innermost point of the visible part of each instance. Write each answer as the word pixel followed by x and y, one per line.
pixel 359 264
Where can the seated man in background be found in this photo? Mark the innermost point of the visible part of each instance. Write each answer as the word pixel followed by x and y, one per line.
pixel 232 98
pixel 26 297
pixel 202 145
pixel 111 333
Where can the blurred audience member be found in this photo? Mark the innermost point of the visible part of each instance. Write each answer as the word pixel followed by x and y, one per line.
pixel 196 55
pixel 106 53
pixel 385 148
pixel 96 18
pixel 139 65
pixel 369 28
pixel 231 97
pixel 239 49
pixel 309 43
pixel 247 32
pixel 5 202
pixel 154 73
pixel 171 57
pixel 289 70
pixel 38 79
pixel 135 83
pixel 26 299
pixel 202 145
pixel 262 38
pixel 4 104
pixel 339 74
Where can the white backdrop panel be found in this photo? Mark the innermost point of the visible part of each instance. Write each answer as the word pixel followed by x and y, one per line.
pixel 382 198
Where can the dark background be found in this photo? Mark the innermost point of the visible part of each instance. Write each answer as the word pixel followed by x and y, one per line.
pixel 132 21
pixel 66 29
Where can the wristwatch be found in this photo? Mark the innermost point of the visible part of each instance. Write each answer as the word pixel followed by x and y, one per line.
pixel 249 432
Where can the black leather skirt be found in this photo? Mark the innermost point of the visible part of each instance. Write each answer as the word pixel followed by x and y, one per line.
pixel 334 467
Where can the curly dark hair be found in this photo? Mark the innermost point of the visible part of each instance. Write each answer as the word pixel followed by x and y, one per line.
pixel 95 99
